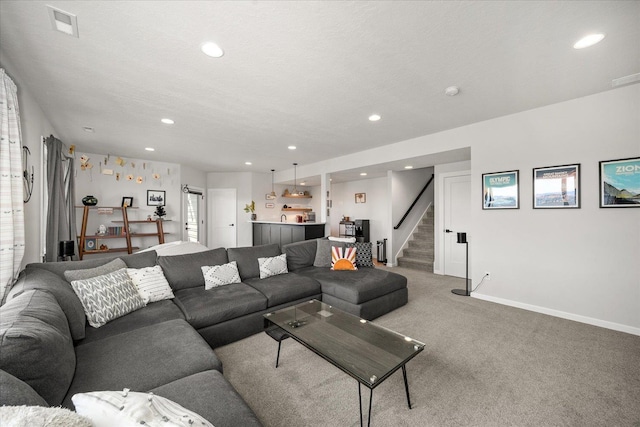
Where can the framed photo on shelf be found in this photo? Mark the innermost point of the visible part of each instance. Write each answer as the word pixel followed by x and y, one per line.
pixel 269 205
pixel 361 197
pixel 127 202
pixel 156 198
pixel 620 183
pixel 269 196
pixel 501 190
pixel 90 244
pixel 556 187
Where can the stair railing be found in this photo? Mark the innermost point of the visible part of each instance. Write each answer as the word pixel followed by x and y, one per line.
pixel 414 203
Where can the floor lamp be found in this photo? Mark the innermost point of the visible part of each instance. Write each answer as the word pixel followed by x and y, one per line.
pixel 462 238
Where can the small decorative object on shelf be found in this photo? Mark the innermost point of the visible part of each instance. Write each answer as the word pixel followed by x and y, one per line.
pixel 89 201
pixel 127 202
pixel 102 229
pixel 104 247
pixel 251 208
pixel 160 212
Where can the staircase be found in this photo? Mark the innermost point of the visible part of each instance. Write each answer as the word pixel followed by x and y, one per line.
pixel 419 254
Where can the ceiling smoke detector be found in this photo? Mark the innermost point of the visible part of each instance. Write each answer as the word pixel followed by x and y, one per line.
pixel 62 21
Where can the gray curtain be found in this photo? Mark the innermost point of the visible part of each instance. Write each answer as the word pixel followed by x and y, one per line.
pixel 61 215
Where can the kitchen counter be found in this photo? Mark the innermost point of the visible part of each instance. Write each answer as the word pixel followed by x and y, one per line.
pixel 288 223
pixel 282 233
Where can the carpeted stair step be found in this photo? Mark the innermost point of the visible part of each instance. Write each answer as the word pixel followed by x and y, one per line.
pixel 421 242
pixel 418 253
pixel 424 228
pixel 415 263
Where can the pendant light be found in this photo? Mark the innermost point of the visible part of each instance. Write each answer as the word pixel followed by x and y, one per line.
pixel 295 188
pixel 273 193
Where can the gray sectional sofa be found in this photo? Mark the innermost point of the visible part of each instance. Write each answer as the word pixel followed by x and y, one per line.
pixel 48 352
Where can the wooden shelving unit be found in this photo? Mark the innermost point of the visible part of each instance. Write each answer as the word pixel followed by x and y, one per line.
pixel 129 248
pixel 297 209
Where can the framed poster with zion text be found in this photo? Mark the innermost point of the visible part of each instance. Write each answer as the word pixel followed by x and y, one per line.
pixel 620 183
pixel 556 187
pixel 500 190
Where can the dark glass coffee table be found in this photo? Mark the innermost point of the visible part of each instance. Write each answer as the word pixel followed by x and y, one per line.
pixel 367 352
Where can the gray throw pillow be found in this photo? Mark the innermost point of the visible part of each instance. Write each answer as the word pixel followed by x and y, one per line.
pixel 323 252
pixel 364 254
pixel 36 345
pixel 107 297
pixel 88 273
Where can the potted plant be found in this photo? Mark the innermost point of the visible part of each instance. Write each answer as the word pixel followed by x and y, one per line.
pixel 160 212
pixel 251 208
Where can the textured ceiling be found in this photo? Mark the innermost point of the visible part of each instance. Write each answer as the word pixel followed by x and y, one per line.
pixel 303 73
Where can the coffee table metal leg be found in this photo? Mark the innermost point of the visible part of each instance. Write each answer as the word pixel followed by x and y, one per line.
pixel 360 404
pixel 406 384
pixel 278 356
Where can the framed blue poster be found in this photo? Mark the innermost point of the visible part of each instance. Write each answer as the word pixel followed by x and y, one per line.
pixel 556 187
pixel 501 190
pixel 620 183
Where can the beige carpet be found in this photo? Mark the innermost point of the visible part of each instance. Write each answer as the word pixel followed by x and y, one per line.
pixel 484 365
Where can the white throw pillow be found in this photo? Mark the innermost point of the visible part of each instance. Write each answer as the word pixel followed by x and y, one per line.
pixel 219 275
pixel 151 283
pixel 343 239
pixel 107 297
pixel 129 408
pixel 272 266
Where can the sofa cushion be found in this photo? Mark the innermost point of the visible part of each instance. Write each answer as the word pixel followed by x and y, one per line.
pixel 272 266
pixel 210 395
pixel 247 258
pixel 35 344
pixel 285 288
pixel 151 283
pixel 37 278
pixel 141 359
pixel 300 254
pixel 184 271
pixel 152 313
pixel 220 275
pixel 132 408
pixel 107 297
pixel 357 286
pixel 323 252
pixel 145 259
pixel 14 391
pixel 89 273
pixel 204 308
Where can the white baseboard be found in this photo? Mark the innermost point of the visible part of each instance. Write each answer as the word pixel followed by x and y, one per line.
pixel 562 314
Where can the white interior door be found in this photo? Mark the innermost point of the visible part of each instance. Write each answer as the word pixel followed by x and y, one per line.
pixel 193 215
pixel 222 211
pixel 457 218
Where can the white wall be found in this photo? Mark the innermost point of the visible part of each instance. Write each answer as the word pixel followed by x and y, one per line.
pixel 109 191
pixel 33 124
pixel 406 185
pixel 577 263
pixel 375 209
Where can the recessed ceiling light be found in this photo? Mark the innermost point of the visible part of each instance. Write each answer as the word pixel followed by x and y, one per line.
pixel 374 117
pixel 363 174
pixel 408 167
pixel 303 183
pixel 587 41
pixel 88 129
pixel 292 147
pixel 167 121
pixel 211 49
pixel 150 149
pixel 452 90
pixel 248 163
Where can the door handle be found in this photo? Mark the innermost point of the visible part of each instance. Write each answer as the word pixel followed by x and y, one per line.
pixel 231 225
pixel 448 231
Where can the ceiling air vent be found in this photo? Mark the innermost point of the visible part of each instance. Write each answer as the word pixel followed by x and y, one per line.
pixel 633 78
pixel 62 21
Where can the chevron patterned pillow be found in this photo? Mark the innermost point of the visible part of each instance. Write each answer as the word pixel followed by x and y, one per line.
pixel 272 266
pixel 220 275
pixel 107 297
